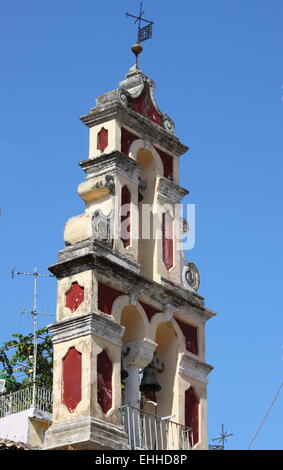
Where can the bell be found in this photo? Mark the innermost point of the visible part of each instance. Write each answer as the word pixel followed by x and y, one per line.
pixel 149 381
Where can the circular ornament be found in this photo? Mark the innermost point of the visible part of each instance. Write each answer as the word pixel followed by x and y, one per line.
pixel 191 276
pixel 123 99
pixel 168 126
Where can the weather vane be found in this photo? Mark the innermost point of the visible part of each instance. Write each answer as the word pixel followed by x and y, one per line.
pixel 144 32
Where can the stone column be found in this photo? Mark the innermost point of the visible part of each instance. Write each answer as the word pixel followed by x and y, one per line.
pixel 139 355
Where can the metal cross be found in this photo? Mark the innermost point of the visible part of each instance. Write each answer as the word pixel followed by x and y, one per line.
pixel 145 32
pixel 223 436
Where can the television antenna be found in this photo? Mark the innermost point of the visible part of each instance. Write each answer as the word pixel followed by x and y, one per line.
pixel 223 436
pixel 34 313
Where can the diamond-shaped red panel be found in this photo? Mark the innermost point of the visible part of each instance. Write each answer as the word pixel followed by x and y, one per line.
pixel 74 296
pixel 102 139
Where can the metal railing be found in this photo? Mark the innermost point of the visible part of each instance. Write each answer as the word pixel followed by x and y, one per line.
pixel 147 431
pixel 23 400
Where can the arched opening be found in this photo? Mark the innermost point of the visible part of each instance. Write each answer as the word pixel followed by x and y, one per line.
pixel 131 319
pixel 167 352
pixel 146 200
pixel 133 323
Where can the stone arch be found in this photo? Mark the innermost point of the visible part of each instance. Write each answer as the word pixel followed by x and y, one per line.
pixel 133 318
pixel 182 339
pixel 118 306
pixel 140 144
pixel 123 301
pixel 162 318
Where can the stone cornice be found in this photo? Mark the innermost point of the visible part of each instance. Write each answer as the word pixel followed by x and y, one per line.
pixel 76 252
pixel 88 258
pixel 170 191
pixel 111 163
pixel 91 323
pixel 194 368
pixel 138 123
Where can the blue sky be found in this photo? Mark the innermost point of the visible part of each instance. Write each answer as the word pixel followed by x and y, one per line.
pixel 219 75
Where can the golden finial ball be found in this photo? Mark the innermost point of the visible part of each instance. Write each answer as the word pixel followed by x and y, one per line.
pixel 137 48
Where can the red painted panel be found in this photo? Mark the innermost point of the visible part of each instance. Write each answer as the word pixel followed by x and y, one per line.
pixel 72 379
pixel 126 227
pixel 153 115
pixel 74 296
pixel 191 336
pixel 192 413
pixel 144 105
pixel 167 240
pixel 149 310
pixel 106 297
pixel 139 104
pixel 104 381
pixel 126 140
pixel 167 162
pixel 102 139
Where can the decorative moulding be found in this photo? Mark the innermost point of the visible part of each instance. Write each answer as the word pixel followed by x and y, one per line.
pixel 194 368
pixel 170 191
pixel 91 323
pixel 137 123
pixel 114 162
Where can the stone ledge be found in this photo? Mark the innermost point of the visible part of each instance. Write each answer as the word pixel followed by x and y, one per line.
pixel 86 433
pixel 194 368
pixel 170 191
pixel 89 324
pixel 82 249
pixel 111 163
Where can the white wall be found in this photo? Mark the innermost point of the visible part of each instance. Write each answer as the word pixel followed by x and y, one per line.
pixel 15 426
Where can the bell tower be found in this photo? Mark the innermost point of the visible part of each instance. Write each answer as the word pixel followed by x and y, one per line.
pixel 129 336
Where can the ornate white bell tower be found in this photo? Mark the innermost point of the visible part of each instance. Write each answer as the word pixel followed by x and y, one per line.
pixel 129 338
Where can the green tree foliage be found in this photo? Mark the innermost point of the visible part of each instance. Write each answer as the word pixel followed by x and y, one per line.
pixel 16 363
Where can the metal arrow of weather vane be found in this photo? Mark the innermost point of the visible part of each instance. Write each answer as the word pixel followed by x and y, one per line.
pixel 144 32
